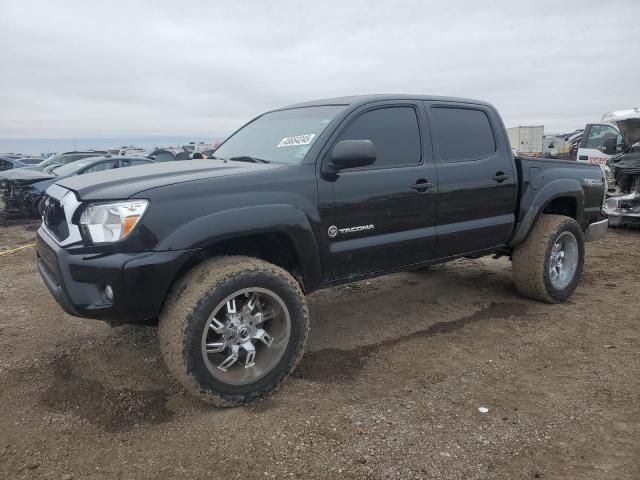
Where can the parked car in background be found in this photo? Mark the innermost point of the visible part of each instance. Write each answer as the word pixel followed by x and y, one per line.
pixel 10 164
pixel 63 159
pixel 24 192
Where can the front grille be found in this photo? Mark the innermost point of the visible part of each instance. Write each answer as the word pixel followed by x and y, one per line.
pixel 55 219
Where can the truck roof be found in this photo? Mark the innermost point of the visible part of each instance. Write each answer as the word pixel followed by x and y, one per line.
pixel 362 99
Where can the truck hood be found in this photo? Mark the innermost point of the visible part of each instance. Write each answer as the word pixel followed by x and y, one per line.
pixel 628 122
pixel 125 182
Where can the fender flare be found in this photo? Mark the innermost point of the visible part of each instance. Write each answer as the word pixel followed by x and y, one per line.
pixel 535 202
pixel 206 231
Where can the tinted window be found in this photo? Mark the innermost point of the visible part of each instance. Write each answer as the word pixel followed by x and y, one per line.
pixel 393 130
pixel 463 134
pixel 140 162
pixel 4 165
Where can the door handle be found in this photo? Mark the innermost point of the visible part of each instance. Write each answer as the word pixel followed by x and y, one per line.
pixel 500 177
pixel 583 158
pixel 422 185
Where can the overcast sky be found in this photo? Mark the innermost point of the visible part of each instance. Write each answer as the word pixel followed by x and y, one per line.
pixel 202 68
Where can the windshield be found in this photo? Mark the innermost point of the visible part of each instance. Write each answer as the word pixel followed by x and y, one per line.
pixel 71 167
pixel 279 137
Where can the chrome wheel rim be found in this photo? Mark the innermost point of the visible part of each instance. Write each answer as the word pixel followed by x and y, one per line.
pixel 563 260
pixel 246 335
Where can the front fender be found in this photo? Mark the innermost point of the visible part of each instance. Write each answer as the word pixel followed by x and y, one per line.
pixel 217 227
pixel 534 201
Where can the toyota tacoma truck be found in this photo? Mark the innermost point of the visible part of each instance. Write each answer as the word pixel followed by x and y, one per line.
pixel 222 252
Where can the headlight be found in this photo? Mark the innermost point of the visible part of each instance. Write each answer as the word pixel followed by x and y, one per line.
pixel 110 222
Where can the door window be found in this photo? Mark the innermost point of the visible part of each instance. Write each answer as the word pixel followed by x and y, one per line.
pixel 100 167
pixel 393 130
pixel 463 134
pixel 601 135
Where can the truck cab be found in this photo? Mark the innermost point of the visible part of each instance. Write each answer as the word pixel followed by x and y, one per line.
pixel 600 141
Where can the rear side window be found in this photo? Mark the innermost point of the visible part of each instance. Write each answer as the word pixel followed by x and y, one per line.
pixel 462 134
pixel 99 167
pixel 393 130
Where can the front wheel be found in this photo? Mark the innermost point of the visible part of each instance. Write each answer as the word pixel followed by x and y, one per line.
pixel 547 266
pixel 233 329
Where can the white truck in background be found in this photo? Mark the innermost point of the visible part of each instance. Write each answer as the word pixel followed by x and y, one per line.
pixel 600 141
pixel 614 144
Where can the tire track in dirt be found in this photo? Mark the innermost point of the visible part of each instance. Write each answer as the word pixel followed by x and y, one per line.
pixel 331 364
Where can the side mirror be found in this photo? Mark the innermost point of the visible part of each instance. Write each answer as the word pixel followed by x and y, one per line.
pixel 353 154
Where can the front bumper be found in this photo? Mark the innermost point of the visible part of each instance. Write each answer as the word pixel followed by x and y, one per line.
pixel 623 209
pixel 140 281
pixel 596 230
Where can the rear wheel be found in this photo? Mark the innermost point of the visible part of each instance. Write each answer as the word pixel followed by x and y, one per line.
pixel 548 265
pixel 233 328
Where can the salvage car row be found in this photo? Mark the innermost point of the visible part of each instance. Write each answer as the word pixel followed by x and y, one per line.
pixel 23 185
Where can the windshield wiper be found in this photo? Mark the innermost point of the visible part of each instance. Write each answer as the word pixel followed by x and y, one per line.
pixel 246 158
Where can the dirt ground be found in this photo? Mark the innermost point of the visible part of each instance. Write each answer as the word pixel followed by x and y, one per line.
pixel 391 386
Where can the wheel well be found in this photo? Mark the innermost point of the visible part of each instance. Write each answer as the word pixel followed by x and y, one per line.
pixel 567 206
pixel 276 248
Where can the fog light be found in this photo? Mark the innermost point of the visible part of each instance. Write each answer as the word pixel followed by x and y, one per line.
pixel 108 293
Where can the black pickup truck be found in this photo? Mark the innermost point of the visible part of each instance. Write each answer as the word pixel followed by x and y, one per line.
pixel 223 251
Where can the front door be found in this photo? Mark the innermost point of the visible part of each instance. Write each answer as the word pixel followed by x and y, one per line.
pixel 383 214
pixel 477 181
pixel 599 142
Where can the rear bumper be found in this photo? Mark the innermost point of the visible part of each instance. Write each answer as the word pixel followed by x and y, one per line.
pixel 77 281
pixel 596 230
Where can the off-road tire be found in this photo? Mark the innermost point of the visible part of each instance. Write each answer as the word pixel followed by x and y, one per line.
pixel 188 306
pixel 531 259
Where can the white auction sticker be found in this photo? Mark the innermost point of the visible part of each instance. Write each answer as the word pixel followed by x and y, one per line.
pixel 297 140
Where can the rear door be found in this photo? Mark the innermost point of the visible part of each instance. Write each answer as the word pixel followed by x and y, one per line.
pixel 384 214
pixel 477 181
